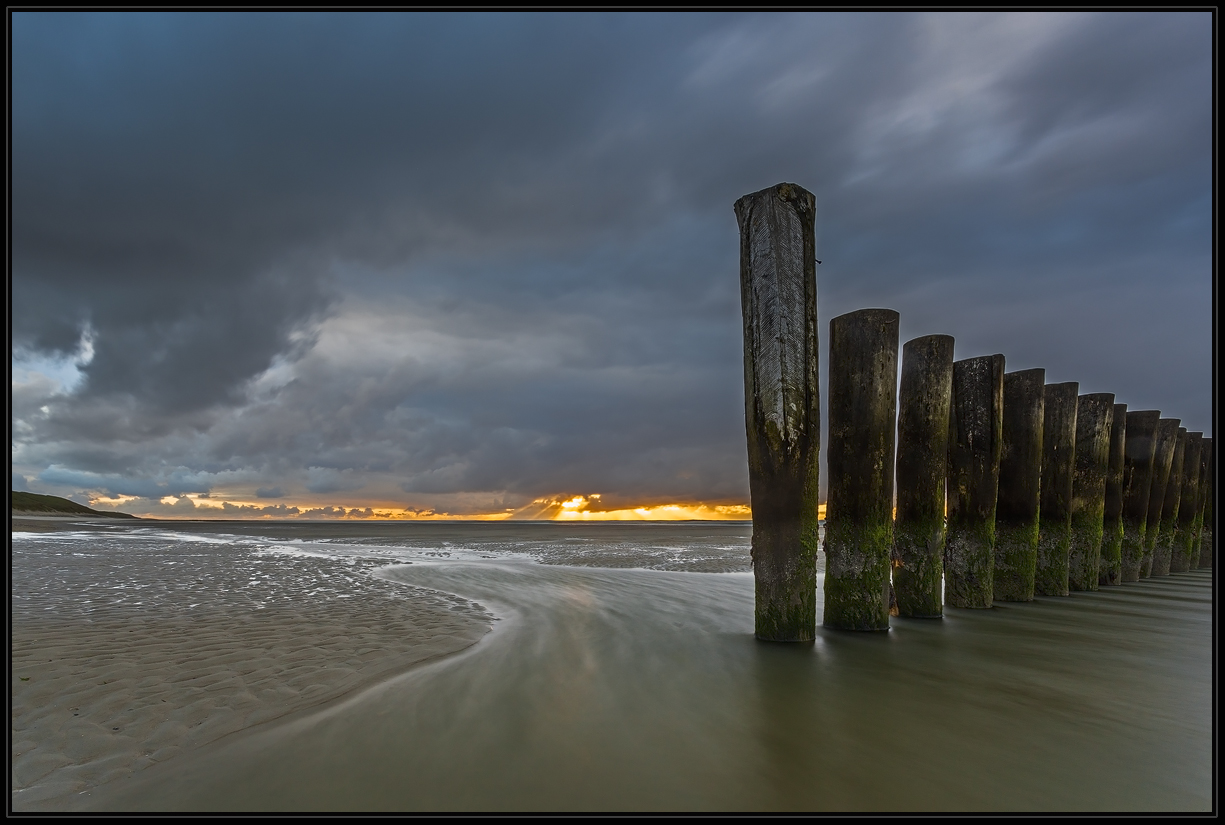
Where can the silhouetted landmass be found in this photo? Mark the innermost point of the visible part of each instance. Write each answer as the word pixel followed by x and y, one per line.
pixel 36 504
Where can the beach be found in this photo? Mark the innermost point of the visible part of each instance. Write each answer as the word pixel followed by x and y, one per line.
pixel 121 663
pixel 570 667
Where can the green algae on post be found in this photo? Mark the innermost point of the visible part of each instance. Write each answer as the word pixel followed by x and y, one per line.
pixel 782 405
pixel 1055 494
pixel 976 425
pixel 1110 572
pixel 1094 421
pixel 1017 505
pixel 1166 440
pixel 859 508
pixel 1140 446
pixel 1163 550
pixel 922 468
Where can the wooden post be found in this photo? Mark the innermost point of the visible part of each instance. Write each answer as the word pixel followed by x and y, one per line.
pixel 782 411
pixel 976 438
pixel 1163 457
pixel 1207 549
pixel 1185 548
pixel 922 467
pixel 1094 418
pixel 1111 570
pixel 862 423
pixel 1017 507
pixel 1055 494
pixel 1163 550
pixel 1137 478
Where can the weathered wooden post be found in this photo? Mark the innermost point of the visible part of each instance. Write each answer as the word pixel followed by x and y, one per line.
pixel 1094 417
pixel 782 404
pixel 1193 562
pixel 1055 493
pixel 1163 550
pixel 1017 506
pixel 922 468
pixel 976 437
pixel 1163 457
pixel 1137 478
pixel 1111 570
pixel 1203 517
pixel 1185 552
pixel 859 514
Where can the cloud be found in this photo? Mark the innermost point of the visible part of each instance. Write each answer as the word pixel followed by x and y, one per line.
pixel 331 480
pixel 149 507
pixel 328 512
pixel 174 484
pixel 458 261
pixel 250 510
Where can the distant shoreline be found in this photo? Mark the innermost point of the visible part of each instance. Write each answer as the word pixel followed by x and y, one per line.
pixel 38 505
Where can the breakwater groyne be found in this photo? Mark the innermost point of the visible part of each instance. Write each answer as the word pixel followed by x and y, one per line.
pixel 1007 487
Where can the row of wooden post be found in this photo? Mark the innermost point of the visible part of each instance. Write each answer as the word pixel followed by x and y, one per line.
pixel 1007 487
pixel 1047 491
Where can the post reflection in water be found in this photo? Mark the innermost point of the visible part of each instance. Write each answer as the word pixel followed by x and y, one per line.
pixel 787 724
pixel 644 690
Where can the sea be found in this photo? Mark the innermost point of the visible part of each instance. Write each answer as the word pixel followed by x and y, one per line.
pixel 621 674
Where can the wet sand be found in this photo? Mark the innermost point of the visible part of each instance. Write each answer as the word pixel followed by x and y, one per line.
pixel 122 659
pixel 599 689
pixel 641 690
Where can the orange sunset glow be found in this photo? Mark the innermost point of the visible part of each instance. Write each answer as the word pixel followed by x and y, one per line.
pixel 579 508
pixel 557 508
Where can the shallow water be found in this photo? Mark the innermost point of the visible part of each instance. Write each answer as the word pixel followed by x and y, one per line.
pixel 643 689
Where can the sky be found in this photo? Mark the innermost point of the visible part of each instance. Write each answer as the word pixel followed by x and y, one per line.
pixel 473 265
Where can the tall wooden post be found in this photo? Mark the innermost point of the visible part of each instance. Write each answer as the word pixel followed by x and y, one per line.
pixel 859 507
pixel 922 458
pixel 976 438
pixel 1164 562
pixel 782 409
pixel 1017 507
pixel 1094 418
pixel 1137 478
pixel 1207 549
pixel 1185 548
pixel 1055 511
pixel 1111 570
pixel 1163 457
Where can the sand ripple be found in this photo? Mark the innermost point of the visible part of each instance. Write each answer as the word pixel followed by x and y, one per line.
pixel 127 650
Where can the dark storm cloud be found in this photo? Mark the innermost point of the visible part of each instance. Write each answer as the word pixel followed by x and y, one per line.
pixel 184 184
pixel 175 483
pixel 440 254
pixel 490 418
